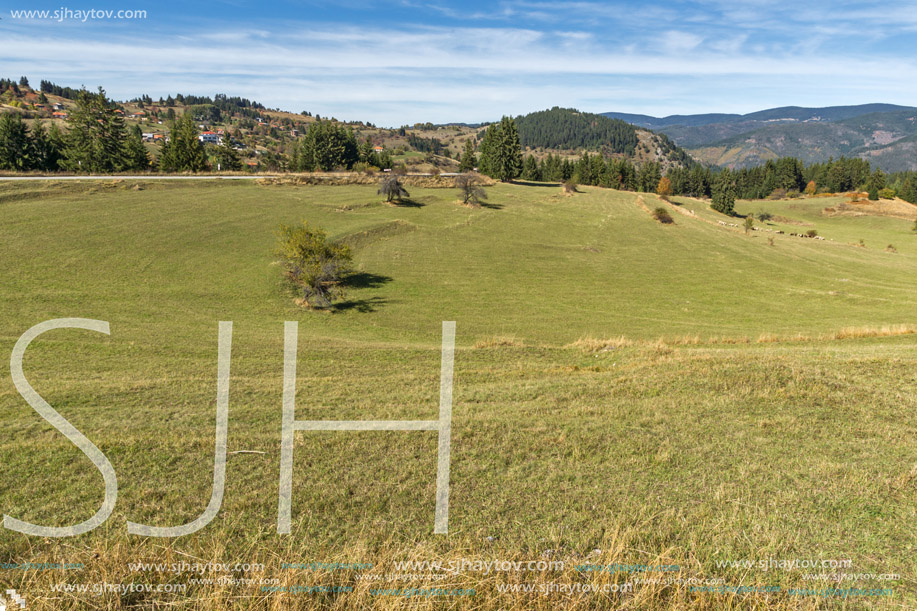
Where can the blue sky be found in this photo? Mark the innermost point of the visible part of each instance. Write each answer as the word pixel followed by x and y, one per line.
pixel 404 61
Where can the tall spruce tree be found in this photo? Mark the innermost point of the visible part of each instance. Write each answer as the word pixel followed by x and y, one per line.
pixel 183 152
pixel 16 150
pixel 136 157
pixel 228 158
pixel 724 193
pixel 96 136
pixel 467 162
pixel 510 155
pixel 327 146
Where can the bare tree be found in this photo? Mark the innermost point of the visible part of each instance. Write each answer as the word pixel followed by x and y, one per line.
pixel 470 189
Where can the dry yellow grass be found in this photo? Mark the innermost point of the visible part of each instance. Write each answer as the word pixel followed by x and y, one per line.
pixel 592 344
pixel 498 341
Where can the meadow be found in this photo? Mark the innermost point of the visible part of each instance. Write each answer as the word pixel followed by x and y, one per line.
pixel 626 393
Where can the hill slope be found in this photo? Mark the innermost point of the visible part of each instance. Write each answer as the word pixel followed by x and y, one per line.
pixel 871 131
pixel 569 130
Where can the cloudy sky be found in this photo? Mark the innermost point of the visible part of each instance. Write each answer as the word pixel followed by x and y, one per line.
pixel 404 61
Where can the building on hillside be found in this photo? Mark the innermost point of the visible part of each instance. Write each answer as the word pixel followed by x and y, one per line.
pixel 59 115
pixel 209 137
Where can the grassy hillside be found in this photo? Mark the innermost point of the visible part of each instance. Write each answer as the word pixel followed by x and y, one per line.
pixel 570 442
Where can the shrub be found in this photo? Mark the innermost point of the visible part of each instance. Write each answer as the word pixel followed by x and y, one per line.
pixel 873 194
pixel 887 193
pixel 662 215
pixel 570 187
pixel 891 248
pixel 749 223
pixel 810 188
pixel 777 194
pixel 313 266
pixel 811 233
pixel 765 216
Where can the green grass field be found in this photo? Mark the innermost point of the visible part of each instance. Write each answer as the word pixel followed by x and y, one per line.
pixel 625 392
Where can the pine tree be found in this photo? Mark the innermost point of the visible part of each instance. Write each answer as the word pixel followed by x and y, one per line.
pixel 15 143
pixel 530 169
pixel 96 138
pixel 136 158
pixel 46 147
pixel 367 154
pixel 184 151
pixel 228 158
pixel 467 162
pixel 724 193
pixel 327 146
pixel 510 155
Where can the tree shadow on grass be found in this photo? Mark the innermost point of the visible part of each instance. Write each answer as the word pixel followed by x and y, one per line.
pixel 360 305
pixel 406 203
pixel 366 280
pixel 363 280
pixel 528 183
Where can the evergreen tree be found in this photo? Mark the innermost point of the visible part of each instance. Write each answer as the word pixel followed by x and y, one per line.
pixel 327 146
pixel 724 193
pixel 47 147
pixel 15 143
pixel 96 138
pixel 648 177
pixel 510 156
pixel 530 169
pixel 467 162
pixel 367 154
pixel 136 158
pixel 183 152
pixel 228 158
pixel 489 149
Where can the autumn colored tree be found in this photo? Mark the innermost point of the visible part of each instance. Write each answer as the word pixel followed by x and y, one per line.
pixel 664 188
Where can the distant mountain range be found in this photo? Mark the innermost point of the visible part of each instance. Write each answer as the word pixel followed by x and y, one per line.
pixel 885 134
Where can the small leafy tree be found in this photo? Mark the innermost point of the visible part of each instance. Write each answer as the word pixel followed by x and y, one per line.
pixel 313 266
pixel 810 188
pixel 470 189
pixel 392 189
pixel 664 188
pixel 749 223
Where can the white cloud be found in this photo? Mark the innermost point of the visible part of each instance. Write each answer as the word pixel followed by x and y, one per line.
pixel 392 76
